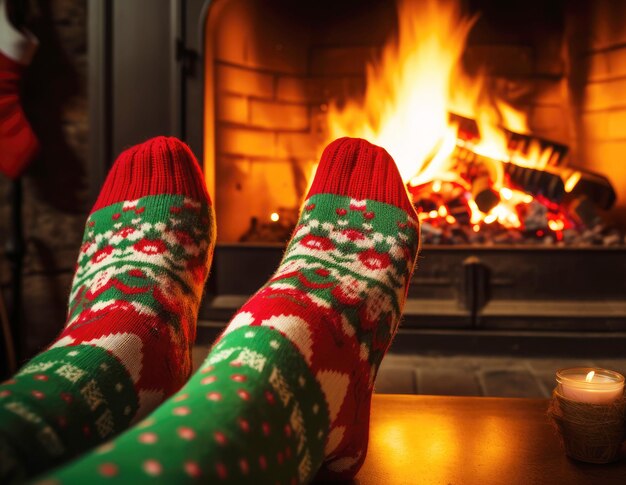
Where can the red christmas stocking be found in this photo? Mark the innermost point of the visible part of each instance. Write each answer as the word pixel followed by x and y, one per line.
pixel 18 143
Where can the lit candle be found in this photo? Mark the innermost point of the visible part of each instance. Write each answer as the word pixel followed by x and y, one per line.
pixel 585 384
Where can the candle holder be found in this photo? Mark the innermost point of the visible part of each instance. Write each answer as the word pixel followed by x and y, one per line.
pixel 590 416
pixel 590 385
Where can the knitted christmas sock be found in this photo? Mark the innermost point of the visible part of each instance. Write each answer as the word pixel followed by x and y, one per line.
pixel 132 314
pixel 288 385
pixel 18 144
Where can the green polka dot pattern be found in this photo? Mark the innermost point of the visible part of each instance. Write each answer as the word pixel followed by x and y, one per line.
pixel 39 401
pixel 253 410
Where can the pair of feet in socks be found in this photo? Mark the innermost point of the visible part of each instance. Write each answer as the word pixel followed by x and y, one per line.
pixel 284 393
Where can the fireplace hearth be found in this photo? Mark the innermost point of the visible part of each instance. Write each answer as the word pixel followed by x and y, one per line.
pixel 474 289
pixel 250 85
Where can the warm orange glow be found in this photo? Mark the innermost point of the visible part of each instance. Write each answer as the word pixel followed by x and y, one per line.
pixel 274 217
pixel 590 375
pixel 443 444
pixel 411 91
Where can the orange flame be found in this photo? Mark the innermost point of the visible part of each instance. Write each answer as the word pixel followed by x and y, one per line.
pixel 407 100
pixel 412 89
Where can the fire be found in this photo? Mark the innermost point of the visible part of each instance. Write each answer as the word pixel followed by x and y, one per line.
pixel 411 92
pixel 407 101
pixel 572 180
pixel 414 87
pixel 590 375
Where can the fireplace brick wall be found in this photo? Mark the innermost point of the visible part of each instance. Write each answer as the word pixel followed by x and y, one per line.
pixel 271 85
pixel 275 75
pixel 599 82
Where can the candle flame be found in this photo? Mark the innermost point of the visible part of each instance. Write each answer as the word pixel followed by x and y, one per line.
pixel 590 376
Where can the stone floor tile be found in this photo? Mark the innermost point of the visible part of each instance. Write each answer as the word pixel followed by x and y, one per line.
pixel 618 365
pixel 538 365
pixel 468 375
pixel 393 379
pixel 512 382
pixel 448 381
pixel 547 382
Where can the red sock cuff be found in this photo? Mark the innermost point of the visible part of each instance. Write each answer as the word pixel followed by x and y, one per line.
pixel 354 167
pixel 161 165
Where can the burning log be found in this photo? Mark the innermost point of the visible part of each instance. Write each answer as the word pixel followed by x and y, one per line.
pixel 548 153
pixel 530 180
pixel 467 127
pixel 477 170
pixel 484 195
pixel 538 201
pixel 594 186
pixel 536 182
pixel 585 211
pixel 459 209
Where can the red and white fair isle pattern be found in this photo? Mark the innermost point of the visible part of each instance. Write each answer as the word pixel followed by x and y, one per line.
pixel 338 296
pixel 132 314
pixel 137 288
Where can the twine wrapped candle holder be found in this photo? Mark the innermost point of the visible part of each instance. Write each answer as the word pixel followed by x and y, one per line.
pixel 592 432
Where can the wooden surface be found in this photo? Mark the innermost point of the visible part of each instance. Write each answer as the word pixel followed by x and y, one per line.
pixel 471 440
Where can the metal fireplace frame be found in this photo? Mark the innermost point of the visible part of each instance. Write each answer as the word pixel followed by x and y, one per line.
pixel 462 299
pixel 159 71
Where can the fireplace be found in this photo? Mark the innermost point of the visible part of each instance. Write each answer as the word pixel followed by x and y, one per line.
pixel 252 85
pixel 288 79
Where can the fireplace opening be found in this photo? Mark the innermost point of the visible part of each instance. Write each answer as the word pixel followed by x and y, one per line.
pixel 484 107
pixel 514 158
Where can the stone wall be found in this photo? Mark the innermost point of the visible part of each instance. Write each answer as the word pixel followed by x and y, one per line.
pixel 55 185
